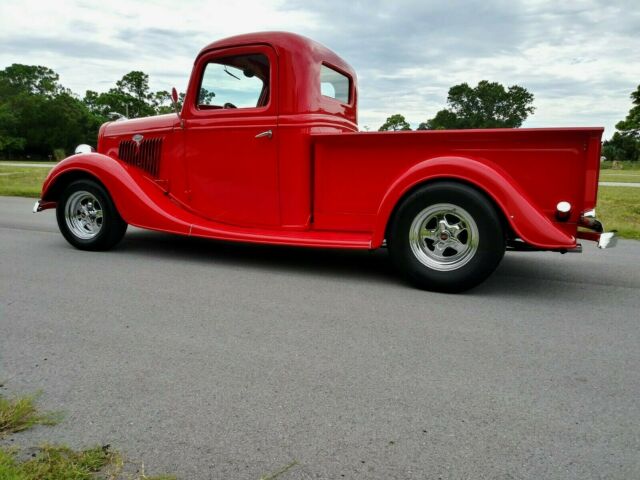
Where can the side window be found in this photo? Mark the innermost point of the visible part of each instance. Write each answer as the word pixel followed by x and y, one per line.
pixel 241 81
pixel 334 84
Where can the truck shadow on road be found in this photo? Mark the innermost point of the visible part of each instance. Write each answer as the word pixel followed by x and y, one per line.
pixel 541 274
pixel 365 265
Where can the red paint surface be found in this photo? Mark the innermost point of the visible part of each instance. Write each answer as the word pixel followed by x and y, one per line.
pixel 317 181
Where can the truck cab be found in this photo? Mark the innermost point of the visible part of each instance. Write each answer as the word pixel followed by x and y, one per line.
pixel 248 96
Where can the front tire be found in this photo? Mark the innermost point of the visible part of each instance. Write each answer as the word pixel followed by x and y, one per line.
pixel 446 237
pixel 88 218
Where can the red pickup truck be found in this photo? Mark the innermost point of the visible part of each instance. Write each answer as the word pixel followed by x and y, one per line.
pixel 266 149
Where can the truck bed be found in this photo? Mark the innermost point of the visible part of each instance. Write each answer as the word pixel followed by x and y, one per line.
pixel 353 172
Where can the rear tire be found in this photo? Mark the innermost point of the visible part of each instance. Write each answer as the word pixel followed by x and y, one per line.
pixel 446 237
pixel 88 218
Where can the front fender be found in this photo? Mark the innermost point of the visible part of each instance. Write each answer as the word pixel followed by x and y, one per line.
pixel 139 200
pixel 529 223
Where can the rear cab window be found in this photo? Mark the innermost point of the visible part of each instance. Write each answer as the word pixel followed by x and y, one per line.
pixel 334 84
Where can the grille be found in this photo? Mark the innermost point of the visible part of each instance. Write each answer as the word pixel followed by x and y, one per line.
pixel 146 157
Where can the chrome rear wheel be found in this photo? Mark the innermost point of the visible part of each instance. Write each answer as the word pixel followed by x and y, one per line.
pixel 444 237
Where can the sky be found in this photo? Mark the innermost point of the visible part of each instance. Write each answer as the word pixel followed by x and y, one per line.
pixel 580 59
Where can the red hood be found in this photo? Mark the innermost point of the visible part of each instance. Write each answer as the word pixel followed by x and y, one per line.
pixel 138 125
pixel 112 133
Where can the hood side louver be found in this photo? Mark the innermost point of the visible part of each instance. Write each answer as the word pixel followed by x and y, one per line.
pixel 146 156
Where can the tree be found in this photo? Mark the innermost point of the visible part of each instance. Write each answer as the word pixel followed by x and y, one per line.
pixel 621 147
pixel 488 105
pixel 38 115
pixel 130 97
pixel 395 123
pixel 631 124
pixel 10 138
pixel 625 143
pixel 120 100
pixel 33 79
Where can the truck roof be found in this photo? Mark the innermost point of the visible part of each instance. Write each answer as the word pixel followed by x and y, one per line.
pixel 292 43
pixel 300 61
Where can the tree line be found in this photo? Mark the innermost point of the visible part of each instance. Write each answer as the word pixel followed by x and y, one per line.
pixel 41 119
pixel 625 142
pixel 487 105
pixel 490 105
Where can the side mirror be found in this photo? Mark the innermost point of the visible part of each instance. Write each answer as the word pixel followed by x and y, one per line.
pixel 174 100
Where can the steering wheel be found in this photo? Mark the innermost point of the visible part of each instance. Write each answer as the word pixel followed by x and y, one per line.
pixel 229 105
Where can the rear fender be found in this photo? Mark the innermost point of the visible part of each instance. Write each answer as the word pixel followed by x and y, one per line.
pixel 529 223
pixel 139 200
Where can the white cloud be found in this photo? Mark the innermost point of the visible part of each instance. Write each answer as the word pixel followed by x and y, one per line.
pixel 580 59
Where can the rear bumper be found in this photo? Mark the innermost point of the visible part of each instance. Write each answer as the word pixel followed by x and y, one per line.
pixel 595 230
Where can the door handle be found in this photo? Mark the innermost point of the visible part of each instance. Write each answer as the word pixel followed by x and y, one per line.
pixel 267 134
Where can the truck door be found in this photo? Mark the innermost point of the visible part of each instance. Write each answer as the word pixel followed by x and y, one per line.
pixel 230 127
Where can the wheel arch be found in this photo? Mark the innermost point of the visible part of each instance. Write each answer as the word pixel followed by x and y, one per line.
pixel 138 199
pixel 444 179
pixel 63 180
pixel 519 213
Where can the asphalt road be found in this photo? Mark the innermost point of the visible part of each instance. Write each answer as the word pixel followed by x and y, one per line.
pixel 225 361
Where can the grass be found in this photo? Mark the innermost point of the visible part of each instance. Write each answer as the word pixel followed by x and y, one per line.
pixel 624 172
pixel 57 462
pixel 29 162
pixel 619 209
pixel 21 181
pixel 54 462
pixel 618 176
pixel 21 413
pixel 620 166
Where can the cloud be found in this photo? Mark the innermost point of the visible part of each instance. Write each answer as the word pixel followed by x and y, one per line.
pixel 580 59
pixel 572 56
pixel 21 46
pixel 163 41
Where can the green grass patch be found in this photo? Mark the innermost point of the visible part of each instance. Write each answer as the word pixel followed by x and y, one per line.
pixel 21 413
pixel 57 462
pixel 626 166
pixel 619 209
pixel 620 176
pixel 28 162
pixel 51 462
pixel 21 181
pixel 621 172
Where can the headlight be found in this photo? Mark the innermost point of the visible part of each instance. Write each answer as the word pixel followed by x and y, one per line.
pixel 84 148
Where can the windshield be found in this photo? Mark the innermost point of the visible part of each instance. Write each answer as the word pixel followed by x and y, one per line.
pixel 241 81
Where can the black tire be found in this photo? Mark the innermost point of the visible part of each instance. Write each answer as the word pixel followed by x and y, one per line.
pixel 94 224
pixel 440 256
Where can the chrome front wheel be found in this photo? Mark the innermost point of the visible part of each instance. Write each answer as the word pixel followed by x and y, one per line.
pixel 88 218
pixel 84 215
